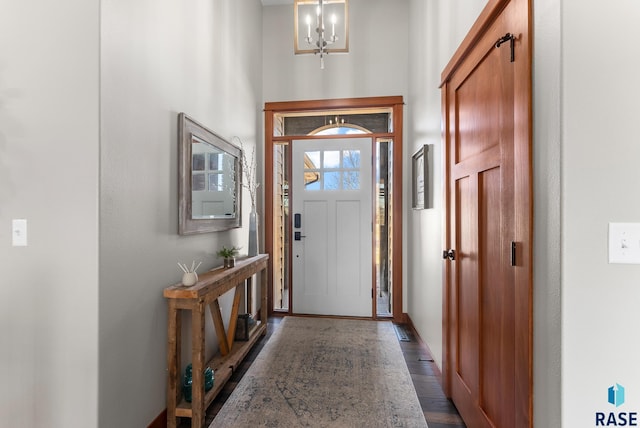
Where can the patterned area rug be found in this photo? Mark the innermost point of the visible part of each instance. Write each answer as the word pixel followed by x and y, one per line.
pixel 326 373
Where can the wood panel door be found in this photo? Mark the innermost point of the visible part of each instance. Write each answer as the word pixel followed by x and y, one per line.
pixel 487 274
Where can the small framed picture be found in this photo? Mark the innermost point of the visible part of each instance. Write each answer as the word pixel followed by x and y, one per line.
pixel 419 175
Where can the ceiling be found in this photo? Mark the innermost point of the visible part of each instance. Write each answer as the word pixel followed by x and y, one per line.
pixel 276 2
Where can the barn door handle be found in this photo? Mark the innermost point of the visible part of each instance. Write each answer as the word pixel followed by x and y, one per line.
pixel 511 39
pixel 449 254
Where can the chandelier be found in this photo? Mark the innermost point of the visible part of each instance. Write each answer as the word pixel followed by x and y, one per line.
pixel 321 27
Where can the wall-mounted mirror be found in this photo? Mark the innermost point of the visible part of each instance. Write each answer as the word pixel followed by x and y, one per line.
pixel 209 174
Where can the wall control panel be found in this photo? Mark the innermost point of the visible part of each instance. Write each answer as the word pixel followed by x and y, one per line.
pixel 624 243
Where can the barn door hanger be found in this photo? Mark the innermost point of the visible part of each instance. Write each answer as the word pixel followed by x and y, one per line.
pixel 511 39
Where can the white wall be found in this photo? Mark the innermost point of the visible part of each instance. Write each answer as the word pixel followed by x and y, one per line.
pixel 376 64
pixel 600 177
pixel 49 157
pixel 547 329
pixel 437 28
pixel 158 59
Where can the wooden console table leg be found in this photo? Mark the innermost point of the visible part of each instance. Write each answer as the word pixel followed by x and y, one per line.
pixel 233 318
pixel 197 363
pixel 249 294
pixel 173 363
pixel 264 307
pixel 219 326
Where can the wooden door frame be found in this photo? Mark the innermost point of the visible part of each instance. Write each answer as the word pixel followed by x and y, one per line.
pixel 523 186
pixel 396 103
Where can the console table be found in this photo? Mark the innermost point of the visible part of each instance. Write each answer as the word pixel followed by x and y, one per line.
pixel 210 286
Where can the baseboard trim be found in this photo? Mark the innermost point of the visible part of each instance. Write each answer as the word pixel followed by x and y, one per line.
pixel 160 421
pixel 423 344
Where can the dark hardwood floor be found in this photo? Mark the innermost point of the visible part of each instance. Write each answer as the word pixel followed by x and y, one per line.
pixel 438 410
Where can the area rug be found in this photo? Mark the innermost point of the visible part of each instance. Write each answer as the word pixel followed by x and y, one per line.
pixel 317 372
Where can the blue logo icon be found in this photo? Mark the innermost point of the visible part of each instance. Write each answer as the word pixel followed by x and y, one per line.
pixel 616 395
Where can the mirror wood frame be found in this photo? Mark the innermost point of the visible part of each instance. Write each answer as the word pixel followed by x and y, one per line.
pixel 187 130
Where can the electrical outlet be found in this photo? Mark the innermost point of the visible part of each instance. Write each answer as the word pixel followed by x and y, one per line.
pixel 624 243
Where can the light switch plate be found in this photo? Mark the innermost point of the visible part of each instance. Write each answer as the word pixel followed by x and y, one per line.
pixel 624 243
pixel 19 232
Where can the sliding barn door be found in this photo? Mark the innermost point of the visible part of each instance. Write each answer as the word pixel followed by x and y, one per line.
pixel 488 281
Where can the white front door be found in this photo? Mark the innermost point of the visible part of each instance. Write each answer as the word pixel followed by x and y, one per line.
pixel 332 227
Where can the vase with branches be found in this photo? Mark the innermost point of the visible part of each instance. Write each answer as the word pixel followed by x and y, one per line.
pixel 249 179
pixel 250 182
